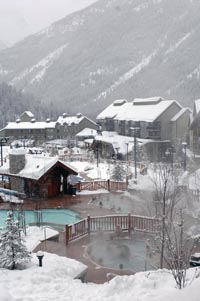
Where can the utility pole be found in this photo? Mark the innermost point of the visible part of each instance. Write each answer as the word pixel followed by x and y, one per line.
pixel 184 145
pixel 2 140
pixel 127 151
pixel 135 129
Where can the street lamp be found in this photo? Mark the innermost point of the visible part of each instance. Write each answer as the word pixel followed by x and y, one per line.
pixel 127 151
pixel 135 129
pixel 184 145
pixel 2 140
pixel 117 150
pixel 40 256
pixel 169 155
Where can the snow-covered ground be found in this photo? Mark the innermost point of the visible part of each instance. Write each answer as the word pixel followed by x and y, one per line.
pixel 55 281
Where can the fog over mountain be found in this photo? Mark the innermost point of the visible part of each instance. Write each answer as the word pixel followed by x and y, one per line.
pixel 20 18
pixel 112 49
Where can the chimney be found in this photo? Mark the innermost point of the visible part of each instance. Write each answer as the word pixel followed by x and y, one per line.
pixel 17 160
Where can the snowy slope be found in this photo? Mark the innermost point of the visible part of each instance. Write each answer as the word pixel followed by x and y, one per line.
pixel 111 50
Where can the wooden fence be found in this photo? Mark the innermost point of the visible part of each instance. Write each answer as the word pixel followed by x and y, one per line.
pixel 195 194
pixel 111 223
pixel 102 184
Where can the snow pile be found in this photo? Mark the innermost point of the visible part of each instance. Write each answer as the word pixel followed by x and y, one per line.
pixel 54 281
pixel 34 236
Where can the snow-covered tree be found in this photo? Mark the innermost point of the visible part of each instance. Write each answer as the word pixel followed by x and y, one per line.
pixel 174 245
pixel 165 200
pixel 178 249
pixel 118 172
pixel 13 253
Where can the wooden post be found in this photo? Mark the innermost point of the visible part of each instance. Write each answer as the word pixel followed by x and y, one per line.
pixel 88 222
pixel 108 184
pixel 129 225
pixel 67 234
pixel 78 186
pixel 126 181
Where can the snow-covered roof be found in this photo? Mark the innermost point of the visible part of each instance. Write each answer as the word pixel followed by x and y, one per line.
pixel 36 166
pixel 148 109
pixel 69 120
pixel 29 113
pixel 180 113
pixel 120 142
pixel 86 132
pixel 197 105
pixel 30 125
pixel 61 142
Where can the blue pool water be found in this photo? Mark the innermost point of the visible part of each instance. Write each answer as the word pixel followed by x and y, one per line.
pixel 51 216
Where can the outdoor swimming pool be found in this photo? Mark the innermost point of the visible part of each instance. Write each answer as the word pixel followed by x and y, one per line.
pixel 50 216
pixel 120 254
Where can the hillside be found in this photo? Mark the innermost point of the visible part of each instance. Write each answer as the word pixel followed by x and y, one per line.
pixel 112 49
pixel 13 103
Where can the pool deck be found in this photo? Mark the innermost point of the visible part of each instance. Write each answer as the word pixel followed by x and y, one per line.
pixel 75 249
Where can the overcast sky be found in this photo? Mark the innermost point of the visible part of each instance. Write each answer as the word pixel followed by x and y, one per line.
pixel 36 14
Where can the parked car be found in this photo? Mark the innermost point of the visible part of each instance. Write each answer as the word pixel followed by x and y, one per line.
pixel 195 260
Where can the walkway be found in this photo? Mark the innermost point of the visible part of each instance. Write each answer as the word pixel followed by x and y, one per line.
pixel 76 250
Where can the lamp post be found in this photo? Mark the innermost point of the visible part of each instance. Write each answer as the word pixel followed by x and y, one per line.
pixel 184 145
pixel 127 151
pixel 40 256
pixel 169 155
pixel 2 140
pixel 117 149
pixel 135 129
pixel 97 150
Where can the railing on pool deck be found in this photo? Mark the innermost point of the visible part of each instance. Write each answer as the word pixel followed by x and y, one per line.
pixel 102 184
pixel 111 223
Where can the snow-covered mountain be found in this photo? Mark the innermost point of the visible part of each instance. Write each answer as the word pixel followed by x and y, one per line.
pixel 112 49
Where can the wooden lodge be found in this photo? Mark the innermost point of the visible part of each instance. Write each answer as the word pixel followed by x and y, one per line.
pixel 36 175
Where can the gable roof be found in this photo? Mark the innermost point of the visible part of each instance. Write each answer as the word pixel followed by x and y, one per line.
pixel 197 106
pixel 37 166
pixel 72 119
pixel 148 109
pixel 180 113
pixel 29 113
pixel 194 118
pixel 118 141
pixel 87 132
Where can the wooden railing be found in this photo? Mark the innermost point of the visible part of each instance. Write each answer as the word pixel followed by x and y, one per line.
pixel 195 193
pixel 102 184
pixel 111 223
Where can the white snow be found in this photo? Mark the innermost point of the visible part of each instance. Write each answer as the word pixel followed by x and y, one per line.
pixel 35 166
pixel 143 112
pixel 180 41
pixel 69 120
pixel 55 281
pixel 128 75
pixel 138 8
pixel 30 125
pixel 34 236
pixel 195 72
pixel 43 65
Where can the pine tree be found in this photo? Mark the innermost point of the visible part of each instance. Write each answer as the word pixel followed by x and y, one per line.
pixel 12 250
pixel 118 172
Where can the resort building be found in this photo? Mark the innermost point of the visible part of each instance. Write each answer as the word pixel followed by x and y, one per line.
pixel 36 176
pixel 195 128
pixel 151 118
pixel 26 128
